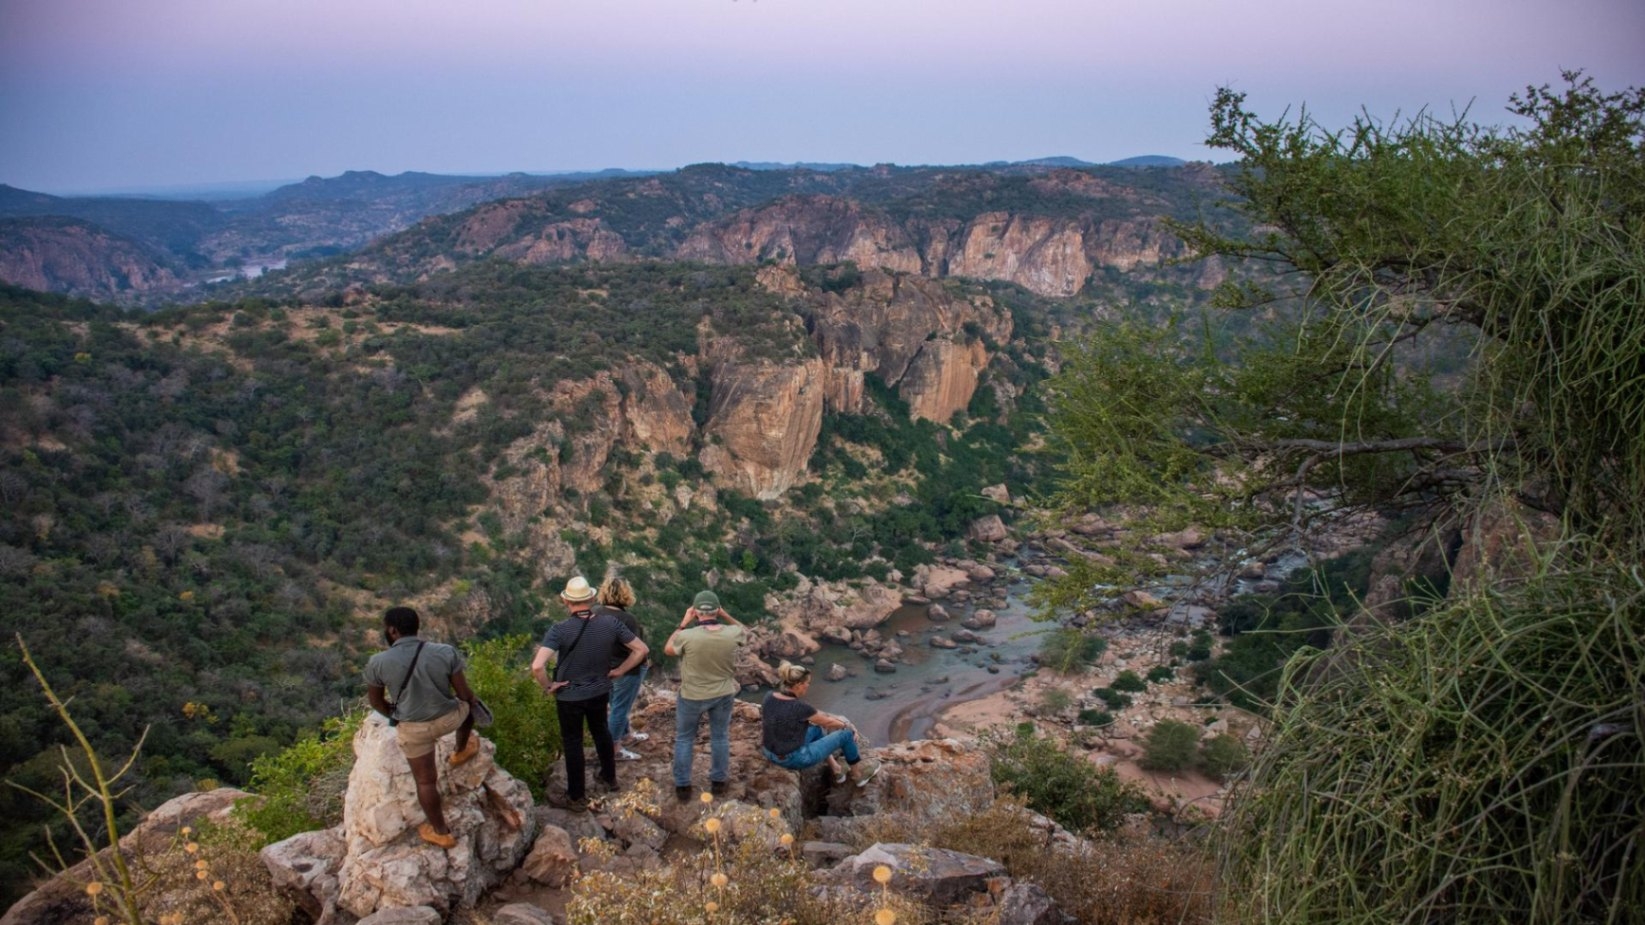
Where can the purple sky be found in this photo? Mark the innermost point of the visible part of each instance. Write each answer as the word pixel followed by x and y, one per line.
pixel 100 95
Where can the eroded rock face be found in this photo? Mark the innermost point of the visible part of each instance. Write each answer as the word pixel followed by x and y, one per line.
pixel 764 419
pixel 1043 255
pixel 805 230
pixel 65 255
pixel 914 335
pixel 388 866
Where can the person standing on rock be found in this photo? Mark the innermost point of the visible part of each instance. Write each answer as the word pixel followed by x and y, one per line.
pixel 792 732
pixel 617 595
pixel 706 644
pixel 577 651
pixel 431 698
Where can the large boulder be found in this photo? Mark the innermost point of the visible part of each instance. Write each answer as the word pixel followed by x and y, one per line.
pixel 934 877
pixel 388 866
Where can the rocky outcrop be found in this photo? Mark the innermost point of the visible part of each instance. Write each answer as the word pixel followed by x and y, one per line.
pixel 78 258
pixel 1043 255
pixel 387 865
pixel 911 333
pixel 806 230
pixel 763 422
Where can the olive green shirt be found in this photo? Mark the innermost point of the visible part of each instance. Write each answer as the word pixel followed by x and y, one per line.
pixel 708 659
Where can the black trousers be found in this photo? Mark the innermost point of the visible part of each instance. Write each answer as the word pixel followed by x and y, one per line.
pixel 573 715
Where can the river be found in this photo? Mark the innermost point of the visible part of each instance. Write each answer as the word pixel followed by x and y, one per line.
pixel 927 679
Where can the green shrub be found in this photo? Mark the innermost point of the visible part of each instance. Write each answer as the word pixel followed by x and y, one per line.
pixel 1068 650
pixel 1112 698
pixel 1159 674
pixel 1076 793
pixel 1224 755
pixel 1129 681
pixel 526 731
pixel 301 788
pixel 1054 700
pixel 1096 717
pixel 1170 746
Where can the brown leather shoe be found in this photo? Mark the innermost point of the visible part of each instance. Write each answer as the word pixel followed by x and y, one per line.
pixel 427 833
pixel 468 751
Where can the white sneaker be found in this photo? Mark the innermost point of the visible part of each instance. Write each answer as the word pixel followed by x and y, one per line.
pixel 624 754
pixel 637 737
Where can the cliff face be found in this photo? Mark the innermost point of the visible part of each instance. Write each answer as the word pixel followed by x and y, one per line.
pixel 763 423
pixel 805 230
pixel 77 258
pixel 914 335
pixel 1049 256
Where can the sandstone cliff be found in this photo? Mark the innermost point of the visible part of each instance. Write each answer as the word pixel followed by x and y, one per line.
pixel 78 258
pixel 913 334
pixel 763 423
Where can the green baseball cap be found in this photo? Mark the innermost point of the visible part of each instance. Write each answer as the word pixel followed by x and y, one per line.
pixel 706 602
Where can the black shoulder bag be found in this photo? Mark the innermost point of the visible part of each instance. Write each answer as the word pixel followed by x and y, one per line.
pixel 560 662
pixel 395 707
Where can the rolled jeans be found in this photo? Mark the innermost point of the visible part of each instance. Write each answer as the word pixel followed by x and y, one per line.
pixel 573 714
pixel 688 716
pixel 818 746
pixel 623 692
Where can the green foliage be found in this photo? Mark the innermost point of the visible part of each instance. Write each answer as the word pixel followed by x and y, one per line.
pixel 526 731
pixel 1079 795
pixel 1170 746
pixel 1462 807
pixel 1159 674
pixel 301 788
pixel 1069 649
pixel 1224 755
pixel 1096 717
pixel 1112 698
pixel 1054 700
pixel 1128 681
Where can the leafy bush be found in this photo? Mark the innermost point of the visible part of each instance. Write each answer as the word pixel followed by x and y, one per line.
pixel 1054 700
pixel 1170 746
pixel 1129 681
pixel 1224 755
pixel 526 731
pixel 301 788
pixel 1096 717
pixel 1159 674
pixel 1112 698
pixel 1069 649
pixel 1079 795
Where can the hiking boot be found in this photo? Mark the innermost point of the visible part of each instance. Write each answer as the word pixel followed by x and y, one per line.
pixel 682 793
pixel 624 754
pixel 427 833
pixel 718 787
pixel 461 756
pixel 576 806
pixel 604 786
pixel 863 771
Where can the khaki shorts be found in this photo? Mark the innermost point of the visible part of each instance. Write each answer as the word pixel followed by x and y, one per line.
pixel 417 739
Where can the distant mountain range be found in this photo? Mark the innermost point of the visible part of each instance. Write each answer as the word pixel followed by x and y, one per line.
pixel 136 249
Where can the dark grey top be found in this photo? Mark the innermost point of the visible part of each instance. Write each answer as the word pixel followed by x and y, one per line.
pixel 590 657
pixel 619 652
pixel 783 723
pixel 428 694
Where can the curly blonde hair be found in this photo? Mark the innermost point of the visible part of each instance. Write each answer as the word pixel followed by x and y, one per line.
pixel 615 592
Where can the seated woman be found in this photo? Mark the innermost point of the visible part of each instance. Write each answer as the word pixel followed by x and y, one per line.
pixel 793 735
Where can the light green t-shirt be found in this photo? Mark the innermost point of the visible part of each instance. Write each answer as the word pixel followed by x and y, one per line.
pixel 708 659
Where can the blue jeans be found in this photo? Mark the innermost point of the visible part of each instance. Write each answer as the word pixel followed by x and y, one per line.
pixel 817 748
pixel 623 692
pixel 688 715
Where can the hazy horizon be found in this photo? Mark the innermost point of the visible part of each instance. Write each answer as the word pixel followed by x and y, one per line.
pixel 106 95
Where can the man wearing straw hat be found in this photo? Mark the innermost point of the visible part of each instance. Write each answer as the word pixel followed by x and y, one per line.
pixel 573 665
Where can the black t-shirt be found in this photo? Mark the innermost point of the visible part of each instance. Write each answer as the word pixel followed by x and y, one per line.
pixel 619 651
pixel 783 723
pixel 588 662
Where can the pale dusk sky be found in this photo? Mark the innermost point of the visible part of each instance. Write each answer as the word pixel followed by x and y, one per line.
pixel 123 95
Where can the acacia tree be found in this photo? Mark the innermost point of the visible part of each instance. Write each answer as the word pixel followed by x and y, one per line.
pixel 1434 317
pixel 1429 313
